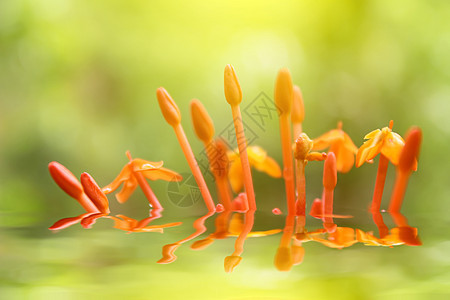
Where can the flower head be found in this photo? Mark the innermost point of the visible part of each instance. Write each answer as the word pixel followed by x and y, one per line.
pixel 148 169
pixel 341 144
pixel 383 141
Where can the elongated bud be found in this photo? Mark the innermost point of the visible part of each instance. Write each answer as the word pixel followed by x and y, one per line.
pixel 233 92
pixel 168 107
pixel 65 180
pixel 203 125
pixel 330 172
pixel 298 108
pixel 411 150
pixel 303 145
pixel 284 91
pixel 94 192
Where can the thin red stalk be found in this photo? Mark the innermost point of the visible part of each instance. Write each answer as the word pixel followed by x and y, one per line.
pixel 401 182
pixel 379 183
pixel 301 186
pixel 145 187
pixel 288 172
pixel 184 143
pixel 242 146
pixel 378 220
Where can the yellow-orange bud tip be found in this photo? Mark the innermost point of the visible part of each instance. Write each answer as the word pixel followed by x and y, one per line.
pixel 233 92
pixel 298 108
pixel 303 145
pixel 168 107
pixel 284 91
pixel 203 125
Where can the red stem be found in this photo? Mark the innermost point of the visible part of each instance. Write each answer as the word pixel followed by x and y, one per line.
pixel 379 183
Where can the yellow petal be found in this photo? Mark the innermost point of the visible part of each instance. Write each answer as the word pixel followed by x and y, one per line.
pixel 345 158
pixel 392 147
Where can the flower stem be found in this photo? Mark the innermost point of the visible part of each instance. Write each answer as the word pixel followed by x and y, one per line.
pixel 379 183
pixel 145 187
pixel 301 192
pixel 242 146
pixel 288 172
pixel 401 182
pixel 182 139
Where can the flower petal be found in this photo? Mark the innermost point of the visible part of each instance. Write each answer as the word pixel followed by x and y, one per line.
pixel 328 138
pixel 127 190
pixel 161 174
pixel 392 147
pixel 124 175
pixel 142 165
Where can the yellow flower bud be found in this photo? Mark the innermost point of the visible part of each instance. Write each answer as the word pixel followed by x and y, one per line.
pixel 203 125
pixel 168 107
pixel 284 91
pixel 298 109
pixel 233 92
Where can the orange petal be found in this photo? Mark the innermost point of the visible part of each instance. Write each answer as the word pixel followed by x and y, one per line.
pixel 142 165
pixel 94 192
pixel 124 175
pixel 127 190
pixel 326 139
pixel 348 143
pixel 162 174
pixel 345 158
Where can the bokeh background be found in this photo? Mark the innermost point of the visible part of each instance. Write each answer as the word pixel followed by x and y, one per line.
pixel 77 85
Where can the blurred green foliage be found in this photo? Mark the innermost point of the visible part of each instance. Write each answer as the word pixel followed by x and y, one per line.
pixel 77 85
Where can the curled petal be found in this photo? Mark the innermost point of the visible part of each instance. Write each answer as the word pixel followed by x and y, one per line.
pixel 162 174
pixel 127 190
pixel 123 176
pixel 326 139
pixel 142 165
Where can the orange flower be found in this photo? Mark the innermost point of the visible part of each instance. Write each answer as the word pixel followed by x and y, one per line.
pixel 258 159
pixel 130 174
pixel 398 236
pixel 384 141
pixel 341 144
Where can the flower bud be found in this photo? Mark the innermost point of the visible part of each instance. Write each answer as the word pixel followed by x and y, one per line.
pixel 168 107
pixel 233 92
pixel 203 125
pixel 298 108
pixel 284 91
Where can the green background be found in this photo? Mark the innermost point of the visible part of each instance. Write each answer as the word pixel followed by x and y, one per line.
pixel 77 85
